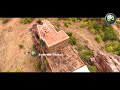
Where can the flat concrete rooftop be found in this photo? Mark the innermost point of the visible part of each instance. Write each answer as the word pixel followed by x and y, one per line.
pixel 50 35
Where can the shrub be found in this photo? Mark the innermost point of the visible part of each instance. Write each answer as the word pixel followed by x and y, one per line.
pixel 68 19
pixel 74 19
pixel 98 38
pixel 34 47
pixel 72 40
pixel 102 35
pixel 92 68
pixel 100 27
pixel 96 25
pixel 64 18
pixel 21 46
pixel 90 24
pixel 109 48
pixel 118 50
pixel 38 67
pixel 86 55
pixel 93 31
pixel 100 31
pixel 66 24
pixel 88 52
pixel 81 47
pixel 69 33
pixel 110 34
pixel 26 20
pixel 84 19
pixel 83 24
pixel 69 23
pixel 42 43
pixel 46 61
pixel 113 47
pixel 60 19
pixel 18 70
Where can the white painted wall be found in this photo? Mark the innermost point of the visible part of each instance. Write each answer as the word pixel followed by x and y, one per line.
pixel 82 69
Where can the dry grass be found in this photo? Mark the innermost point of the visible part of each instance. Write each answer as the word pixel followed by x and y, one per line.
pixel 13 34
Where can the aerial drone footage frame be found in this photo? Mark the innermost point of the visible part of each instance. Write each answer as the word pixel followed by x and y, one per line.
pixel 71 44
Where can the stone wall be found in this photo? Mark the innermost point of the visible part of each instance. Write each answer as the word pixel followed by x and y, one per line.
pixel 58 46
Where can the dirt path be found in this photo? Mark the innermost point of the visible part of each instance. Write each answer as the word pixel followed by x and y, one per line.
pixel 12 58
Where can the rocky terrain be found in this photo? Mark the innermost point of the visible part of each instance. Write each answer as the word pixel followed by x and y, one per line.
pixel 106 62
pixel 96 45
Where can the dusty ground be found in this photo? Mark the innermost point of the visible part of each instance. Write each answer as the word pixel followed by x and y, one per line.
pixel 13 34
pixel 83 35
pixel 117 29
pixel 12 58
